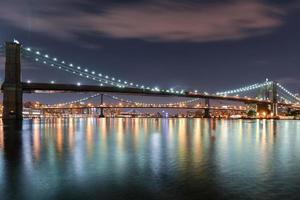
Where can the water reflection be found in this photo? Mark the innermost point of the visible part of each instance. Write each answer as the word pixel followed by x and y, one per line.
pixel 11 160
pixel 1 138
pixel 148 158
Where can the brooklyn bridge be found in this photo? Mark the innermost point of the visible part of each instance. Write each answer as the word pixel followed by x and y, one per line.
pixel 268 95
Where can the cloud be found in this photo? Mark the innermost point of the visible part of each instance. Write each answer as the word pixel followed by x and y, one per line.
pixel 190 22
pixel 148 20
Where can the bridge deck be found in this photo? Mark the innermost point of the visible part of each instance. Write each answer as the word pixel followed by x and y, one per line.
pixel 148 107
pixel 45 87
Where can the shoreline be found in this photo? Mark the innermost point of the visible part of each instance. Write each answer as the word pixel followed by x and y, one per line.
pixel 215 118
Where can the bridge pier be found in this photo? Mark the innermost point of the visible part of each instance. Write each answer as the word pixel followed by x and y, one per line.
pixel 101 109
pixel 12 88
pixel 206 110
pixel 274 99
pixel 275 109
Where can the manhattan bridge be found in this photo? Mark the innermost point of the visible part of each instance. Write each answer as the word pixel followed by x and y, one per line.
pixel 268 95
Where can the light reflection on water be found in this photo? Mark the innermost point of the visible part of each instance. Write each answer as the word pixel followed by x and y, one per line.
pixel 149 159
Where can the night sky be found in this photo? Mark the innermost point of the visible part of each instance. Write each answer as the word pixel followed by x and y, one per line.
pixel 205 45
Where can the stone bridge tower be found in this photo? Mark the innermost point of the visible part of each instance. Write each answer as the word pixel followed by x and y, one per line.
pixel 12 87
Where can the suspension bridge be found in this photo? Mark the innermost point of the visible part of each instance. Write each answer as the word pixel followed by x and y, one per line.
pixel 269 95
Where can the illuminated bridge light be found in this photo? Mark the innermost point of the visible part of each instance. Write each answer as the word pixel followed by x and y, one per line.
pixel 89 75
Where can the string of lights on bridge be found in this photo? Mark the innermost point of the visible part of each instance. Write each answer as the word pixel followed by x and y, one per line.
pixel 108 80
pixel 285 99
pixel 90 74
pixel 123 100
pixel 152 104
pixel 140 103
pixel 257 86
pixel 288 92
pixel 54 62
pixel 245 89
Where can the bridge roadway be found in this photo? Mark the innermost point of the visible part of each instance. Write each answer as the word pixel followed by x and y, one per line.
pixel 145 107
pixel 47 87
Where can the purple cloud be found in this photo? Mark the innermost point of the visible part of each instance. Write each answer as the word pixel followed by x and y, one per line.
pixel 151 20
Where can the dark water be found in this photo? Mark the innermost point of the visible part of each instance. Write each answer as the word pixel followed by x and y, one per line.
pixel 150 159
